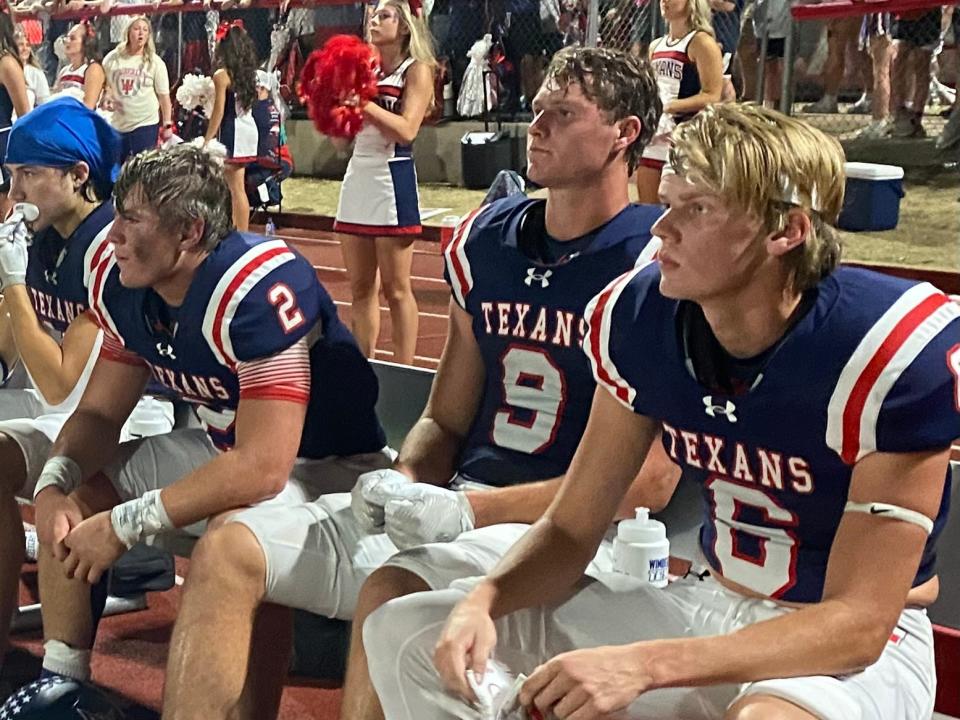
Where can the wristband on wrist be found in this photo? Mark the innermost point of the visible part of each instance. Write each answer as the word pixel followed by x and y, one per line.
pixel 62 472
pixel 140 518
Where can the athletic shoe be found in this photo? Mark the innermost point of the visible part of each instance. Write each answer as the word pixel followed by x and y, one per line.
pixel 863 106
pixel 950 136
pixel 823 105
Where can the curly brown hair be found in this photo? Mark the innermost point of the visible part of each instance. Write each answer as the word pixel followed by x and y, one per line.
pixel 620 84
pixel 237 54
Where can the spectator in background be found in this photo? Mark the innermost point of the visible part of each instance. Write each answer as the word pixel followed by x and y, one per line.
pixel 841 34
pixel 916 35
pixel 138 90
pixel 525 45
pixel 38 89
pixel 875 35
pixel 950 136
pixel 466 26
pixel 82 75
pixel 13 96
pixel 772 17
pixel 240 119
pixel 726 19
pixel 689 72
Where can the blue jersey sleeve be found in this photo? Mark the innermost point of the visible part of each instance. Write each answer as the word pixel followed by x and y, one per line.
pixel 266 311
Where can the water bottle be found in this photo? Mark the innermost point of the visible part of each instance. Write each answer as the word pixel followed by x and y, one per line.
pixel 641 549
pixel 269 229
pixel 150 417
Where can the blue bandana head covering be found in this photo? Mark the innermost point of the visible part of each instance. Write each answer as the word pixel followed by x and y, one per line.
pixel 64 132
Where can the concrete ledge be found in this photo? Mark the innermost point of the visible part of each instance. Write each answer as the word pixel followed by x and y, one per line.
pixel 436 152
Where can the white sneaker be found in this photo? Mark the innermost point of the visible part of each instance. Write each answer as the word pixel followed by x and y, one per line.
pixel 826 104
pixel 874 130
pixel 951 131
pixel 863 106
pixel 907 125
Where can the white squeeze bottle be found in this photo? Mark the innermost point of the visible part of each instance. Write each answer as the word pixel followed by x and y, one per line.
pixel 641 549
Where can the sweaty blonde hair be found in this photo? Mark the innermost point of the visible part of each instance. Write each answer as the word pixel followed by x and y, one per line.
pixel 765 163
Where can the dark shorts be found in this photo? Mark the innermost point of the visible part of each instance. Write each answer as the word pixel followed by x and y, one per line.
pixel 525 36
pixel 775 47
pixel 136 141
pixel 921 32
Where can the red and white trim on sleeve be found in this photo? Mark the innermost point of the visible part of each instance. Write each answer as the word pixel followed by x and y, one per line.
pixel 649 252
pixel 98 306
pixel 100 248
pixel 284 376
pixel 239 279
pixel 596 343
pixel 455 256
pixel 112 349
pixel 884 353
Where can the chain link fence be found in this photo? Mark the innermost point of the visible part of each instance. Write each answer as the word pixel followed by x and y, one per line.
pixel 855 76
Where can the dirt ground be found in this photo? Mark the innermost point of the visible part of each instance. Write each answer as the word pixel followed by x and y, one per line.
pixel 928 234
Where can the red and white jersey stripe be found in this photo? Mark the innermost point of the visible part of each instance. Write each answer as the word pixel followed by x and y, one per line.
pixel 284 376
pixel 113 349
pixel 455 256
pixel 98 306
pixel 884 353
pixel 100 248
pixel 239 279
pixel 596 343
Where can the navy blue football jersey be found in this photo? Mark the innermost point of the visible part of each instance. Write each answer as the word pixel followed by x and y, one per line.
pixel 528 320
pixel 872 366
pixel 251 298
pixel 59 270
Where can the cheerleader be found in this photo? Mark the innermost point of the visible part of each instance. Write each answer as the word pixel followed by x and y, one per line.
pixel 240 119
pixel 689 68
pixel 82 75
pixel 378 216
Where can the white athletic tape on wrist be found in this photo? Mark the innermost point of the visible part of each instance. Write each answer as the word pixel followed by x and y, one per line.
pixel 140 518
pixel 62 472
pixel 894 512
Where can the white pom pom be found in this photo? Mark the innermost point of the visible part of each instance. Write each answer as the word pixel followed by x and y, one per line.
pixel 215 149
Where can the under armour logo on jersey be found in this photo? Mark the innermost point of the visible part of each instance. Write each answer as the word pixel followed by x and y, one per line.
pixel 50 276
pixel 541 277
pixel 166 350
pixel 713 409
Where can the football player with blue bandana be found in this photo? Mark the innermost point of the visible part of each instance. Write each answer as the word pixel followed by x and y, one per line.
pixel 816 406
pixel 237 325
pixel 62 160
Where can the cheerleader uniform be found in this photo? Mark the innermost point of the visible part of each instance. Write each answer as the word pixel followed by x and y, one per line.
pixel 6 115
pixel 677 78
pixel 248 135
pixel 71 79
pixel 378 195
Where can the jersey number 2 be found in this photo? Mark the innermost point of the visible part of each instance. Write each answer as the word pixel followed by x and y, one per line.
pixel 288 312
pixel 534 391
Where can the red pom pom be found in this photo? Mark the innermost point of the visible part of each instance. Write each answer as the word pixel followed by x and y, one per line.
pixel 336 82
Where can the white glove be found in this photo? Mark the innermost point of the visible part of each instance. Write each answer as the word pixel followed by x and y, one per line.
pixel 371 493
pixel 422 513
pixel 13 251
